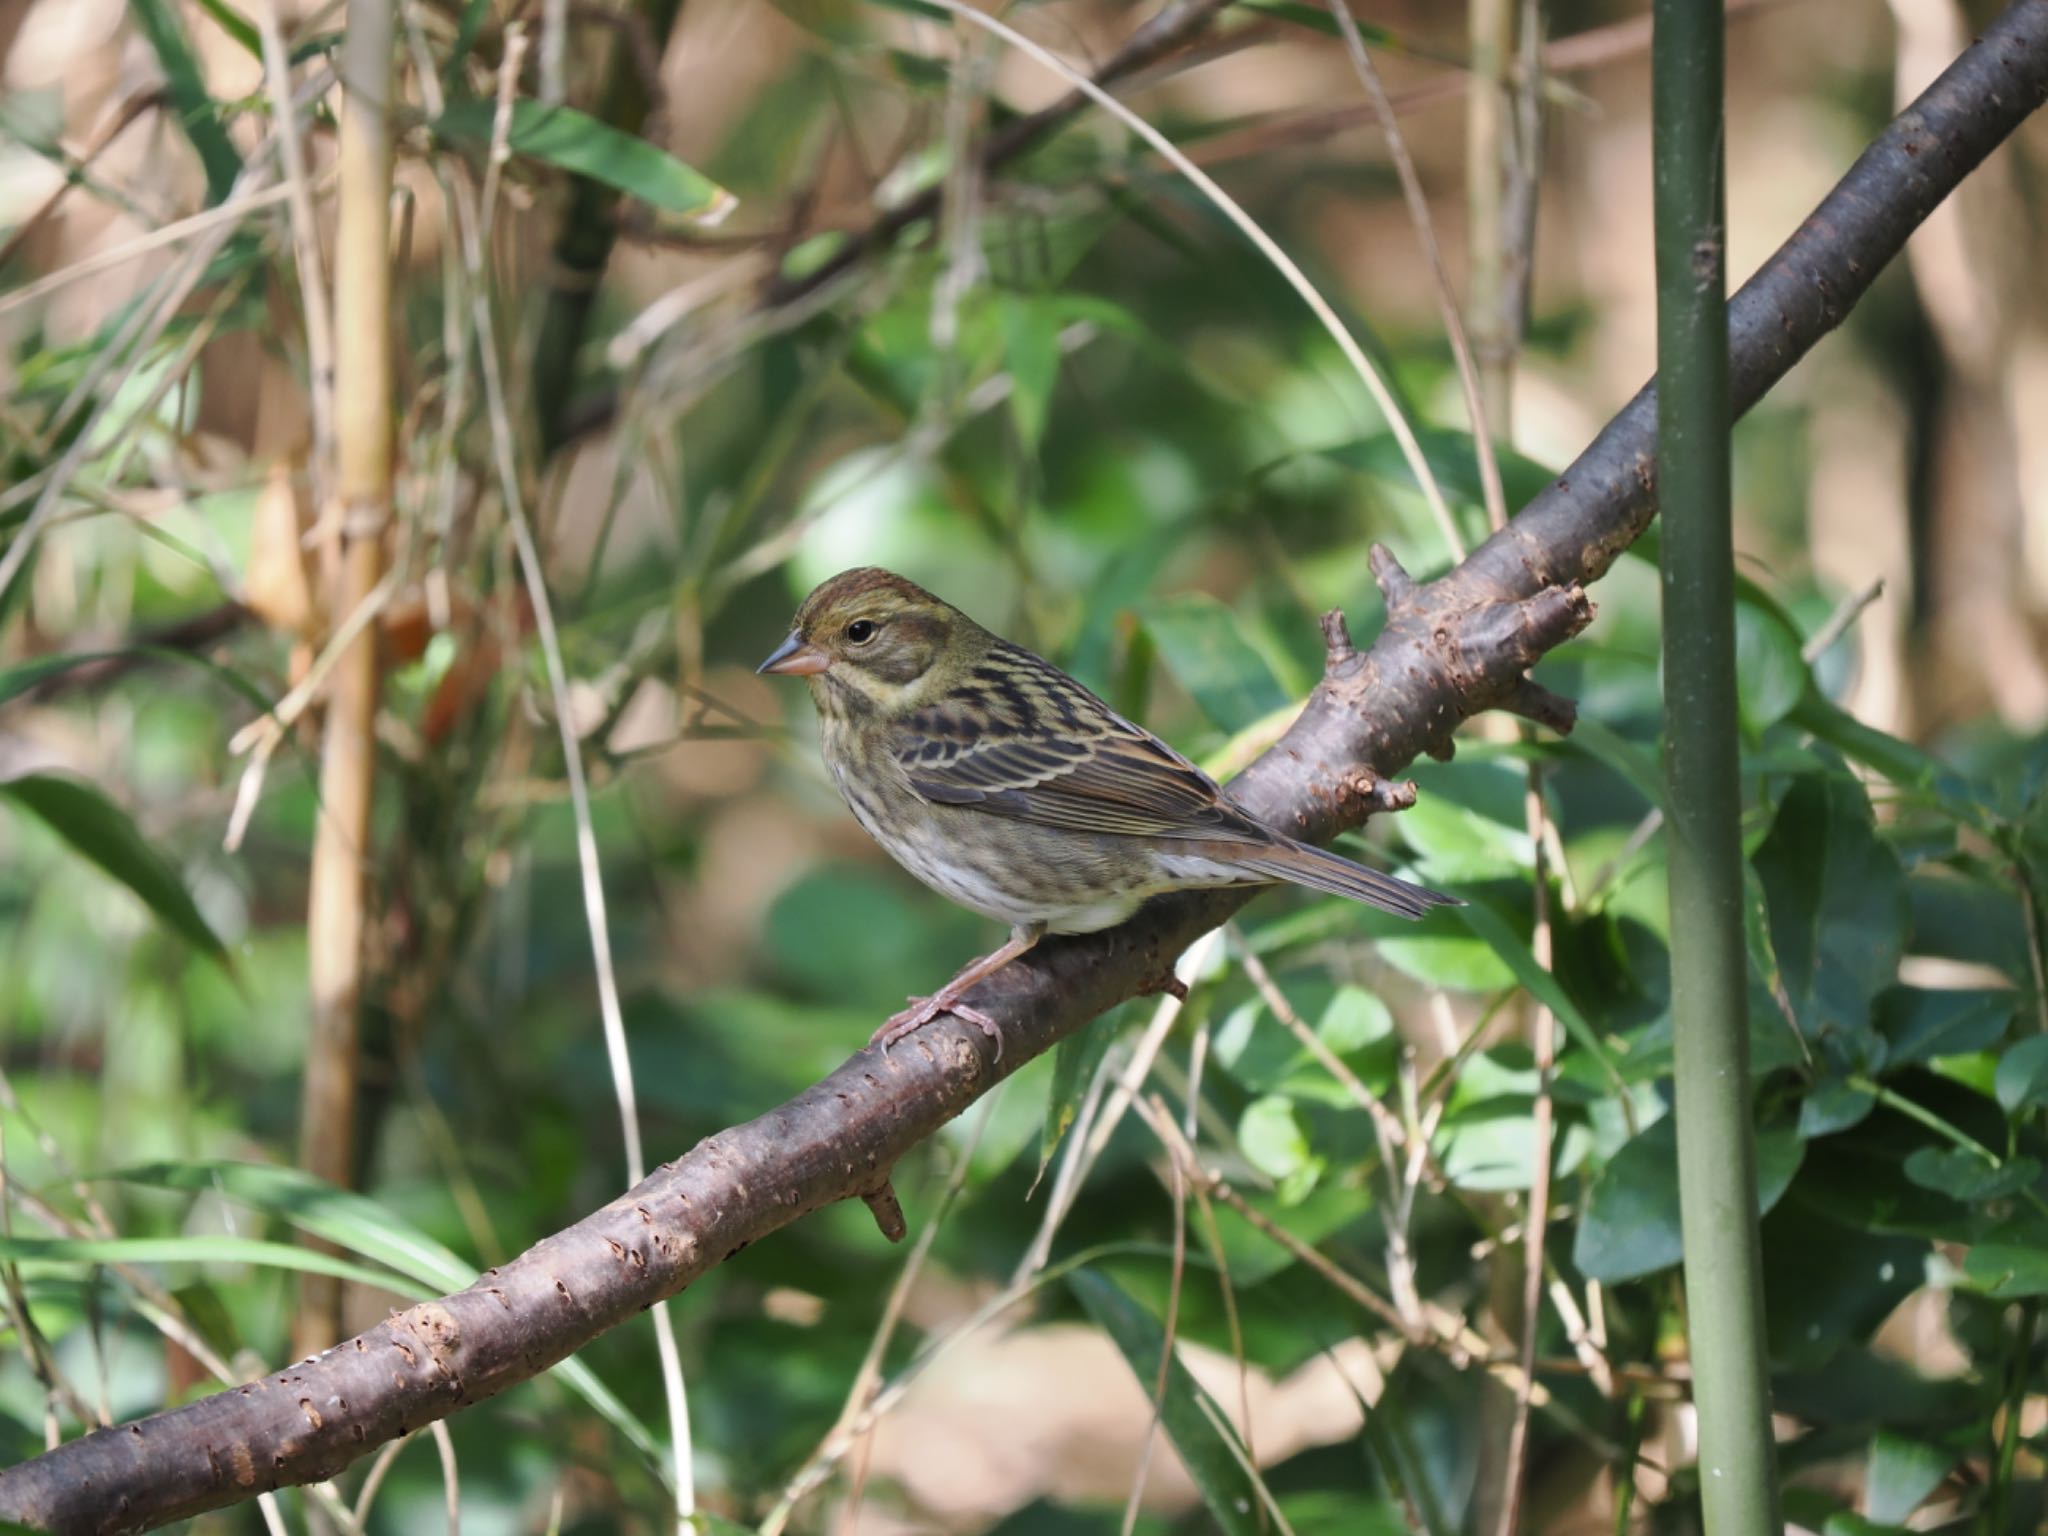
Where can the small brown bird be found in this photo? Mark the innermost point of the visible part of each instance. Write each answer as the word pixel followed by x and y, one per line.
pixel 1002 783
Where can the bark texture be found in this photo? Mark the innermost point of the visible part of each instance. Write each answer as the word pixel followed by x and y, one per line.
pixel 1450 649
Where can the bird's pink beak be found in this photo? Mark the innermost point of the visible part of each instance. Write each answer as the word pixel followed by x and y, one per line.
pixel 795 658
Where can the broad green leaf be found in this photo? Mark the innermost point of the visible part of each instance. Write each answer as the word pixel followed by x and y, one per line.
pixel 1490 1149
pixel 575 141
pixel 1437 955
pixel 1213 653
pixel 1829 1284
pixel 474 13
pixel 1274 1142
pixel 1189 1416
pixel 2022 1080
pixel 1771 675
pixel 2011 1261
pixel 1920 1024
pixel 1837 903
pixel 1964 1175
pixel 102 832
pixel 1901 1473
pixel 1630 1227
pixel 1468 824
pixel 198 113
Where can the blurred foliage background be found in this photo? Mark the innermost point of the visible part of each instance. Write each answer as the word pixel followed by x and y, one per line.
pixel 1078 404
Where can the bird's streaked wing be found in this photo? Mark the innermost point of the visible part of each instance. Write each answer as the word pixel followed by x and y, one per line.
pixel 1022 739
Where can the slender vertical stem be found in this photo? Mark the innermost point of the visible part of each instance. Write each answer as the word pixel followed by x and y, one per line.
pixel 1716 1140
pixel 335 923
pixel 1491 28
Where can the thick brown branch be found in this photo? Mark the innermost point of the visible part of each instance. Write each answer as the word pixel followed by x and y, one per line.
pixel 1456 646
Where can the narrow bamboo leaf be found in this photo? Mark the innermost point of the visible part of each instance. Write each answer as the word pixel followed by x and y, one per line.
pixel 359 1223
pixel 1488 926
pixel 198 113
pixel 1074 1063
pixel 1316 19
pixel 575 141
pixel 198 1250
pixel 1189 1418
pixel 343 1217
pixel 473 14
pixel 1031 350
pixel 235 24
pixel 102 832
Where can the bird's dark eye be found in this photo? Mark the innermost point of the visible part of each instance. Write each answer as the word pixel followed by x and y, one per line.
pixel 861 631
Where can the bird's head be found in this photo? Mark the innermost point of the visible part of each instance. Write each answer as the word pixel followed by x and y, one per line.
pixel 868 640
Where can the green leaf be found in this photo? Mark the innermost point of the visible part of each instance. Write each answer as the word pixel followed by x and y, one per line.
pixel 2012 1261
pixel 102 832
pixel 2022 1078
pixel 1771 674
pixel 577 142
pixel 1969 1176
pixel 197 1249
pixel 198 114
pixel 1074 1063
pixel 1273 1141
pixel 360 1224
pixel 1631 1229
pixel 472 23
pixel 1902 1472
pixel 1189 1416
pixel 1031 351
pixel 1213 654
pixel 1921 1024
pixel 1450 457
pixel 1520 959
pixel 1837 903
pixel 1469 823
pixel 235 24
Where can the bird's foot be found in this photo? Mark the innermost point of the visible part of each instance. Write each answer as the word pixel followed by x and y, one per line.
pixel 923 1010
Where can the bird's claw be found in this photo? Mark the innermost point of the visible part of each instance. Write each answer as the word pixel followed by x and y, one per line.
pixel 923 1010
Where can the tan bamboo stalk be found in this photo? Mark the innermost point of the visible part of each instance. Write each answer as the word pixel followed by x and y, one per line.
pixel 353 562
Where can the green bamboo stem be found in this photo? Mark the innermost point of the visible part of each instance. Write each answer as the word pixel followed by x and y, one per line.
pixel 1716 1140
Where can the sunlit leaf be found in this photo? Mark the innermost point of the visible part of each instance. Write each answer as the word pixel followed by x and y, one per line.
pixel 103 833
pixel 575 141
pixel 1900 1474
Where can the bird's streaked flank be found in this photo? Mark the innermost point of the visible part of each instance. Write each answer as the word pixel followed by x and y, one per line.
pixel 1004 784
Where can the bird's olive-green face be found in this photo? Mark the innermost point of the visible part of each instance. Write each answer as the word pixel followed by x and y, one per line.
pixel 866 640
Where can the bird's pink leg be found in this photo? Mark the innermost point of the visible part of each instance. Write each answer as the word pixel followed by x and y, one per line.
pixel 923 1010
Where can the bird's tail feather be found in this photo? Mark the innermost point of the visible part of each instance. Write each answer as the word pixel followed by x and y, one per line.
pixel 1319 870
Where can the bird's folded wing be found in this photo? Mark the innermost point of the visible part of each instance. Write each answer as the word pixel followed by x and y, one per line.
pixel 1117 779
